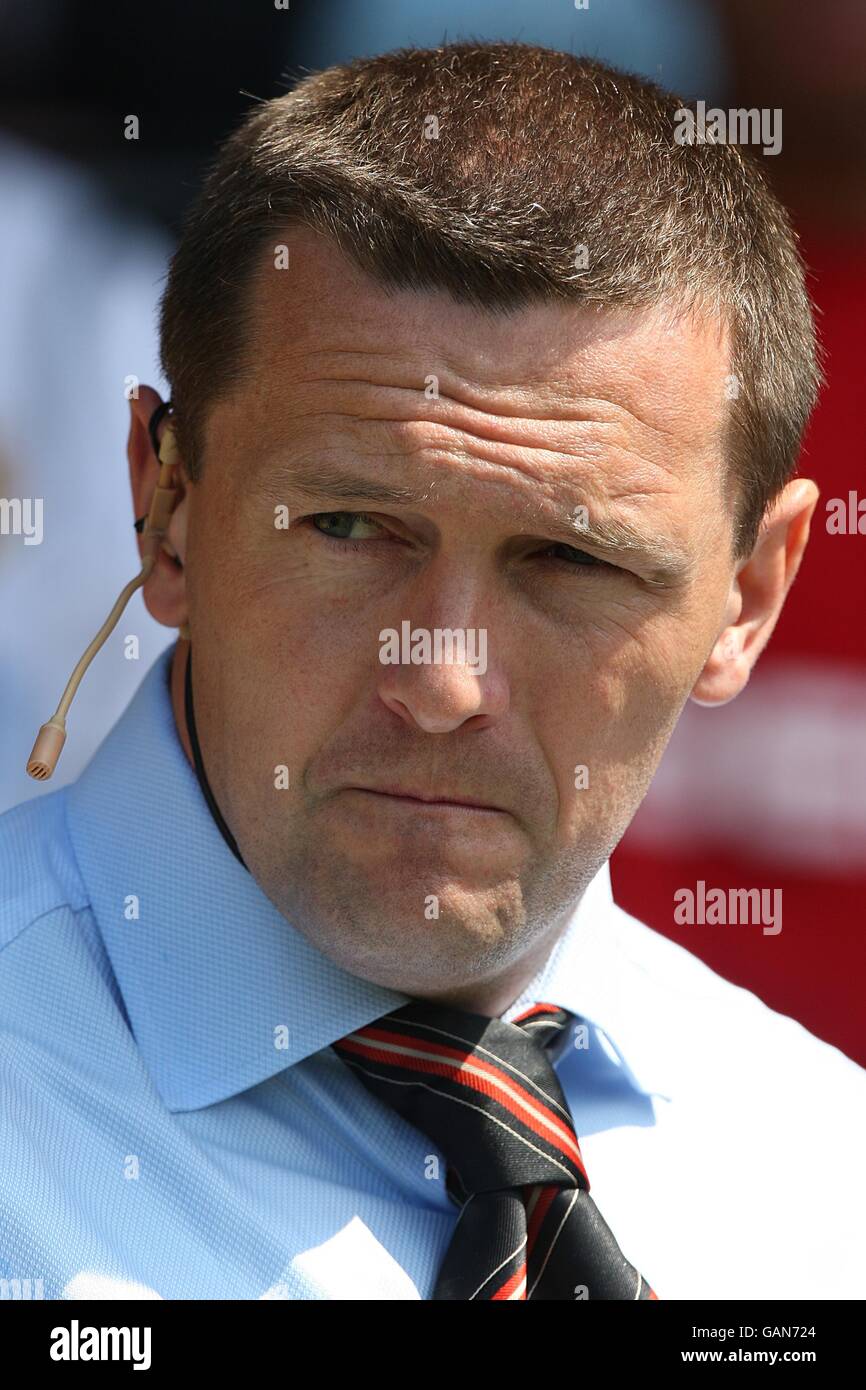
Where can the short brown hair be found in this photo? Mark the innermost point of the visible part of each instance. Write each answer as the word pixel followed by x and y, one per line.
pixel 537 153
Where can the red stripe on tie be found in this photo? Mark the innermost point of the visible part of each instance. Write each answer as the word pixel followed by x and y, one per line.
pixel 539 1211
pixel 450 1056
pixel 507 1289
pixel 536 1009
pixel 451 1067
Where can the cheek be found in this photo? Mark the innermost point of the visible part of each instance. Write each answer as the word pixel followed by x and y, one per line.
pixel 603 712
pixel 294 679
pixel 616 673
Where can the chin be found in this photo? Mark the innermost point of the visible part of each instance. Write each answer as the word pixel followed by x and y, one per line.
pixel 402 943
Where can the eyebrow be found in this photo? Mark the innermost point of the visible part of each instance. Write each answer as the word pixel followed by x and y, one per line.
pixel 610 537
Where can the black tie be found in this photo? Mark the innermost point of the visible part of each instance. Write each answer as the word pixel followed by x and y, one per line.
pixel 487 1095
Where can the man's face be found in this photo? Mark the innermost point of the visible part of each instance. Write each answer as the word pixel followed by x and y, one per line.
pixel 592 644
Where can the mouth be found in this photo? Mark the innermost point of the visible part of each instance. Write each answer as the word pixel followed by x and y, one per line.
pixel 418 798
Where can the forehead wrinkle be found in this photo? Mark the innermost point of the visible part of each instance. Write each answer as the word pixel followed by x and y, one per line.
pixel 471 395
pixel 311 478
pixel 574 445
pixel 574 461
pixel 490 459
pixel 513 420
pixel 413 391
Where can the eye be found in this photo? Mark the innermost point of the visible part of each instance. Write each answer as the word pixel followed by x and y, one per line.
pixel 339 526
pixel 578 559
pixel 332 524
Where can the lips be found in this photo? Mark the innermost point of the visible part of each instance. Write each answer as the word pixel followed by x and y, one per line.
pixel 446 798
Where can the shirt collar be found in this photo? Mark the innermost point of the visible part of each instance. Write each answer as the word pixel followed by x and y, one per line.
pixel 594 973
pixel 220 990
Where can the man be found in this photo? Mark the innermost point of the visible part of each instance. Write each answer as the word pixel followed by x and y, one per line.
pixel 312 984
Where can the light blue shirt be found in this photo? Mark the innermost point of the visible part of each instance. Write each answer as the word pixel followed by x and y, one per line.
pixel 175 1124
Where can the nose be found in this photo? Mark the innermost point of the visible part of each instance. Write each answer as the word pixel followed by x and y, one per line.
pixel 452 689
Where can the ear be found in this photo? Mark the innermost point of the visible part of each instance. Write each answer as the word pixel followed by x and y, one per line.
pixel 165 588
pixel 758 591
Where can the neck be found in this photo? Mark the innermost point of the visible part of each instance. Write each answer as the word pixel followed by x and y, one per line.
pixel 493 997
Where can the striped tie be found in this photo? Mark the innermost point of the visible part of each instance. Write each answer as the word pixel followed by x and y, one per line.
pixel 487 1095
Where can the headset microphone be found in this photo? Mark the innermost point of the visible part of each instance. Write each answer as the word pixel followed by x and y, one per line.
pixel 52 736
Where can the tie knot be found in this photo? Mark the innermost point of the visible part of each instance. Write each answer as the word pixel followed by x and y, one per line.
pixel 483 1090
pixel 544 1023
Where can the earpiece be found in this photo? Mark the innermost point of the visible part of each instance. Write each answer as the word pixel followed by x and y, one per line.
pixel 52 736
